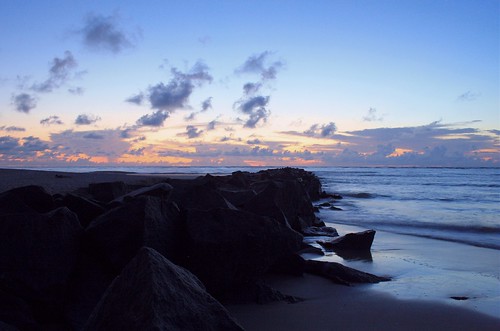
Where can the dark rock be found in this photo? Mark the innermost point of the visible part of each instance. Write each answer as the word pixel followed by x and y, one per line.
pixel 202 196
pixel 341 274
pixel 118 234
pixel 351 241
pixel 86 209
pixel 325 231
pixel 228 248
pixel 260 293
pixel 25 199
pixel 459 298
pixel 307 179
pixel 160 190
pixel 237 197
pixel 152 293
pixel 325 204
pixel 7 327
pixel 355 254
pixel 285 201
pixel 335 208
pixel 16 312
pixel 105 192
pixel 325 195
pixel 38 253
pixel 292 264
pixel 309 249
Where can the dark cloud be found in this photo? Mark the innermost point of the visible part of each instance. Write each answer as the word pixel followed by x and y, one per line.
pixel 24 102
pixel 176 93
pixel 468 96
pixel 155 119
pixel 51 120
pixel 255 141
pixel 260 63
pixel 137 151
pixel 211 125
pixel 12 128
pixel 136 99
pixel 59 73
pixel 7 144
pixel 76 90
pixel 193 132
pixel 321 131
pixel 497 132
pixel 206 104
pixel 372 116
pixel 93 135
pixel 86 119
pixel 14 148
pixel 255 108
pixel 103 33
pixel 251 88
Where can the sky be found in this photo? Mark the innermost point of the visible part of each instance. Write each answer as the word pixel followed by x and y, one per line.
pixel 249 83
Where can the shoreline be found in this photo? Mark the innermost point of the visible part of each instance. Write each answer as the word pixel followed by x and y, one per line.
pixel 327 305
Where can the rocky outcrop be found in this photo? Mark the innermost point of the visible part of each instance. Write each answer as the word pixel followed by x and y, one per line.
pixel 27 198
pixel 105 192
pixel 228 248
pixel 152 293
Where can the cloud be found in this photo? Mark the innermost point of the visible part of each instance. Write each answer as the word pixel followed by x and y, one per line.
pixel 155 119
pixel 206 104
pixel 93 135
pixel 372 116
pixel 175 94
pixel 193 132
pixel 251 88
pixel 259 63
pixel 321 131
pixel 211 125
pixel 468 96
pixel 19 148
pixel 51 120
pixel 136 99
pixel 12 129
pixel 137 151
pixel 86 119
pixel 24 102
pixel 103 33
pixel 59 73
pixel 76 90
pixel 255 108
pixel 255 141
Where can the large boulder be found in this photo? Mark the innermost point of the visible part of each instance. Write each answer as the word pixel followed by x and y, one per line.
pixel 228 248
pixel 117 235
pixel 152 293
pixel 160 190
pixel 86 209
pixel 38 253
pixel 27 198
pixel 351 241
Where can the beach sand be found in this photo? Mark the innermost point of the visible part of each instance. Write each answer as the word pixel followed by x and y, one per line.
pixel 327 306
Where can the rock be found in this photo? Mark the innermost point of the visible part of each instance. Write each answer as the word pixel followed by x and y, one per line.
pixel 24 199
pixel 309 249
pixel 341 274
pixel 335 208
pixel 38 253
pixel 105 192
pixel 285 201
pixel 16 312
pixel 307 179
pixel 237 197
pixel 292 264
pixel 117 235
pixel 351 241
pixel 202 196
pixel 152 293
pixel 228 248
pixel 160 190
pixel 86 209
pixel 7 327
pixel 261 294
pixel 325 231
pixel 325 205
pixel 325 195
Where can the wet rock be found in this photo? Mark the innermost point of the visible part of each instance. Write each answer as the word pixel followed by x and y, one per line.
pixel 341 274
pixel 325 195
pixel 227 248
pixel 27 198
pixel 325 231
pixel 351 241
pixel 152 293
pixel 160 190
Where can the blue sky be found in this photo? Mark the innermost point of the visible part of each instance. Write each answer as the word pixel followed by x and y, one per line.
pixel 250 83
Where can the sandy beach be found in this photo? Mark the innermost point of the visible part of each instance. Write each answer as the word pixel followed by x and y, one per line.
pixel 326 306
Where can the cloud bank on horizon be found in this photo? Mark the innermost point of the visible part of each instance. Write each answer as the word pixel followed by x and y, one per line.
pixel 250 104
